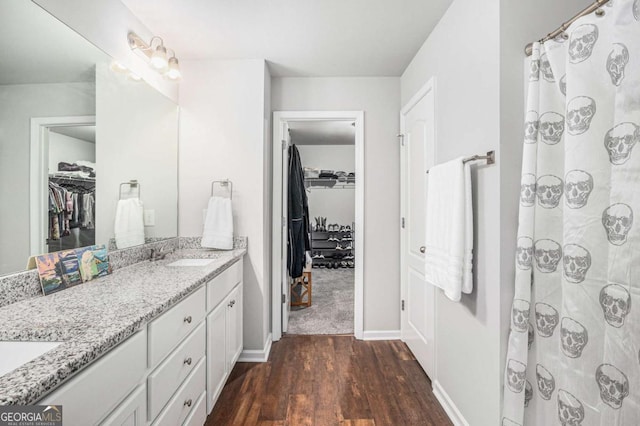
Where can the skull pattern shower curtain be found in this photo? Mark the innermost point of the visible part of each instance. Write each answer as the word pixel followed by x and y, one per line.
pixel 574 345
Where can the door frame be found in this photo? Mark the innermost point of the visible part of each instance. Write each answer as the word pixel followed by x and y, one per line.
pixel 280 120
pixel 38 174
pixel 429 87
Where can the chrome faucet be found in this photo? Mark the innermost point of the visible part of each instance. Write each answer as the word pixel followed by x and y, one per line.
pixel 159 253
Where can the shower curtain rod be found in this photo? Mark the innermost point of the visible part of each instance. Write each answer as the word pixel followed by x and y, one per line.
pixel 528 50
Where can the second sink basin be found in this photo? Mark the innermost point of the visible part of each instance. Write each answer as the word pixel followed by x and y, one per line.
pixel 15 354
pixel 191 262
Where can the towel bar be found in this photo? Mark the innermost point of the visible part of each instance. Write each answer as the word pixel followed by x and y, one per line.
pixel 490 157
pixel 225 182
pixel 132 184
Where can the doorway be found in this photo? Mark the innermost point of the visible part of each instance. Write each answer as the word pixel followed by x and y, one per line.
pixel 69 137
pixel 325 304
pixel 287 124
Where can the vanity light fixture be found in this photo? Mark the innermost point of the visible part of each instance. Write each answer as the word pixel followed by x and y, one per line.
pixel 158 58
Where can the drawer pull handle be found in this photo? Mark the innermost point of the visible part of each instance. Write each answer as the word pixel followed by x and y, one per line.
pixel 188 403
pixel 188 319
pixel 187 361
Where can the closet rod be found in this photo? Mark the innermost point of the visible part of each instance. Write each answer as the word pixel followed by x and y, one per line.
pixel 528 50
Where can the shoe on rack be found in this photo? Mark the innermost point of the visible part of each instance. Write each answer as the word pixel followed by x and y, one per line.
pixel 343 264
pixel 348 257
pixel 339 247
pixel 349 247
pixel 351 264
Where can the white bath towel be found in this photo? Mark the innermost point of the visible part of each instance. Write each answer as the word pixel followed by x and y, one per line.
pixel 218 224
pixel 449 239
pixel 129 223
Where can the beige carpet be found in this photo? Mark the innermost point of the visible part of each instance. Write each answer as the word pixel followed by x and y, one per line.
pixel 331 311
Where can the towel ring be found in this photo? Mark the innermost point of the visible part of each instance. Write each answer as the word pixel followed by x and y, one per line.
pixel 132 184
pixel 223 183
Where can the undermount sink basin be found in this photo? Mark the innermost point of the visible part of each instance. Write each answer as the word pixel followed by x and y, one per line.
pixel 15 354
pixel 191 262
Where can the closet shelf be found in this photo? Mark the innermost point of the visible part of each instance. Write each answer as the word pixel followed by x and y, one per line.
pixel 56 176
pixel 327 183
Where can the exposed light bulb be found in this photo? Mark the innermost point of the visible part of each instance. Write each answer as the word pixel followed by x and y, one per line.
pixel 118 67
pixel 173 70
pixel 134 77
pixel 158 59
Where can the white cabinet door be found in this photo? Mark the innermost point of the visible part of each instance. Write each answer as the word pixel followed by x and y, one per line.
pixel 216 353
pixel 234 327
pixel 119 371
pixel 132 411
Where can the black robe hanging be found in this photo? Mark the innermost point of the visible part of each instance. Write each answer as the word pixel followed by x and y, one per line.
pixel 298 216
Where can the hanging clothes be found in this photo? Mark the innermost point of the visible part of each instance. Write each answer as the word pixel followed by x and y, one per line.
pixel 70 204
pixel 575 320
pixel 298 211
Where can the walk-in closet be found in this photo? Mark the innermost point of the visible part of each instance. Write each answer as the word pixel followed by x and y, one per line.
pixel 323 299
pixel 71 186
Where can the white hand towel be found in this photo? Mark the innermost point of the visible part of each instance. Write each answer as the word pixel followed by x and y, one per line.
pixel 218 225
pixel 129 223
pixel 449 229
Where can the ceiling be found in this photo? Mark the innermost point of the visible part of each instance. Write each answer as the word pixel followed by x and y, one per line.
pixel 297 37
pixel 37 48
pixel 85 133
pixel 322 132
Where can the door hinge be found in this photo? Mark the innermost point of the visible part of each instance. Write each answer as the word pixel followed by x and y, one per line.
pixel 401 137
pixel 284 222
pixel 284 298
pixel 403 222
pixel 403 305
pixel 284 145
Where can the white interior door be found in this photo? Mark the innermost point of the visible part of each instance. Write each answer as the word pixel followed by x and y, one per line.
pixel 418 151
pixel 286 288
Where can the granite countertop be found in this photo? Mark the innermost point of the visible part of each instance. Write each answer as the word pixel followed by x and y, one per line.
pixel 92 318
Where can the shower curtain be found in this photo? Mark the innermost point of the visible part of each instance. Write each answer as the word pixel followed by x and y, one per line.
pixel 574 345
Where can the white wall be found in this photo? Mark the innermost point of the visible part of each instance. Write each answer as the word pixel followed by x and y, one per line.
pixel 136 138
pixel 68 149
pixel 19 104
pixel 337 204
pixel 462 53
pixel 223 129
pixel 379 98
pixel 476 55
pixel 106 23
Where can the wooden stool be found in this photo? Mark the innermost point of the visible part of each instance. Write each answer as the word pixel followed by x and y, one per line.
pixel 304 299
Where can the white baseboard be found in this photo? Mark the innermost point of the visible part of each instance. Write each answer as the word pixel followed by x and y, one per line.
pixel 449 407
pixel 381 335
pixel 257 355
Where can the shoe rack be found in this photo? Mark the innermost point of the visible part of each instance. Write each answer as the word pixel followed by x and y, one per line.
pixel 332 246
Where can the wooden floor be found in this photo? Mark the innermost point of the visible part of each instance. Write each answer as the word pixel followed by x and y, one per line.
pixel 329 380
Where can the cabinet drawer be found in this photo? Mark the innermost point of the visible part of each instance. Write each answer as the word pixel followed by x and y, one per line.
pixel 119 371
pixel 185 398
pixel 220 286
pixel 163 382
pixel 171 327
pixel 199 413
pixel 132 411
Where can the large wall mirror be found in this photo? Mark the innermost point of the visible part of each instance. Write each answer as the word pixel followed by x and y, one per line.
pixel 74 128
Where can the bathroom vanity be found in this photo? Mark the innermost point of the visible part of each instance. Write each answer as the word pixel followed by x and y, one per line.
pixel 152 343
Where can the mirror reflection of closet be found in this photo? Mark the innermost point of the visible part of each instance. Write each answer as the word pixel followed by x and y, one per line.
pixel 71 187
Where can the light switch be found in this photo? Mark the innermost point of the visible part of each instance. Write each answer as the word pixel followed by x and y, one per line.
pixel 149 218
